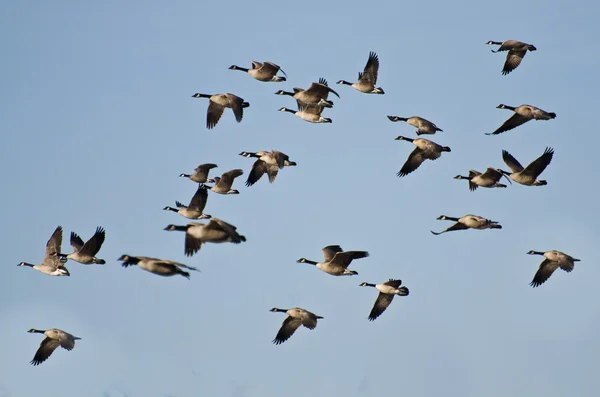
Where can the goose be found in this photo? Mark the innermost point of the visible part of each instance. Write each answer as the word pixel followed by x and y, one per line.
pixel 468 222
pixel 368 78
pixel 528 175
pixel 52 264
pixel 310 113
pixel 217 105
pixel 215 231
pixel 490 178
pixel 523 114
pixel 266 71
pixel 296 317
pixel 554 260
pixel 196 206
pixel 54 338
pixel 269 163
pixel 200 174
pixel 336 260
pixel 161 267
pixel 423 126
pixel 223 184
pixel 316 94
pixel 85 253
pixel 516 52
pixel 387 290
pixel 425 150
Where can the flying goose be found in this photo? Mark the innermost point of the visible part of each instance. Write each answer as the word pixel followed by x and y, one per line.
pixel 523 114
pixel 86 253
pixel 269 163
pixel 196 206
pixel 516 52
pixel 223 184
pixel 528 175
pixel 336 260
pixel 54 338
pixel 468 222
pixel 490 178
pixel 554 260
pixel 200 174
pixel 266 71
pixel 425 150
pixel 387 291
pixel 52 264
pixel 368 78
pixel 217 105
pixel 310 113
pixel 423 126
pixel 161 267
pixel 316 94
pixel 296 317
pixel 215 231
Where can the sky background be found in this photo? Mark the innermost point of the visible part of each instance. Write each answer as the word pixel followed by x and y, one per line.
pixel 98 122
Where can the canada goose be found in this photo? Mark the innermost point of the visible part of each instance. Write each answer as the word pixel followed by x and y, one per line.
pixel 516 52
pixel 86 253
pixel 217 105
pixel 528 175
pixel 387 291
pixel 554 260
pixel 223 184
pixel 266 71
pixel 296 317
pixel 490 178
pixel 269 163
pixel 215 231
pixel 310 113
pixel 336 260
pixel 368 78
pixel 54 338
pixel 52 264
pixel 523 114
pixel 468 222
pixel 423 126
pixel 316 94
pixel 425 150
pixel 196 206
pixel 161 267
pixel 200 174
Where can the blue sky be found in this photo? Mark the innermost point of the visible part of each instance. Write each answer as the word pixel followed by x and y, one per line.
pixel 98 123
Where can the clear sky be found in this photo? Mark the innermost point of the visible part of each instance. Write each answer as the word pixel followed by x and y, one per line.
pixel 98 122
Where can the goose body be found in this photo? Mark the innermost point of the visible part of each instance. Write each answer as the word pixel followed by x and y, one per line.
pixel 367 79
pixel 52 264
pixel 296 317
pixel 160 267
pixel 523 114
pixel 336 260
pixel 553 260
pixel 223 184
pixel 310 113
pixel 316 94
pixel 468 222
pixel 490 178
pixel 200 174
pixel 196 206
pixel 267 163
pixel 85 253
pixel 217 104
pixel 528 175
pixel 215 231
pixel 516 53
pixel 387 290
pixel 425 150
pixel 422 125
pixel 266 71
pixel 54 338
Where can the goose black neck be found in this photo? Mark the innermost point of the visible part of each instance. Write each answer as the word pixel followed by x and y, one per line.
pixel 185 175
pixel 310 262
pixel 240 68
pixel 37 331
pixel 448 218
pixel 369 285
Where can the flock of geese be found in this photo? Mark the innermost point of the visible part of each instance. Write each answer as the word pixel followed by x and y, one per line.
pixel 311 103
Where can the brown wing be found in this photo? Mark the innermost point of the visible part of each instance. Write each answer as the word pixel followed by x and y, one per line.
pixel 228 228
pixel 93 245
pixel 213 114
pixel 511 162
pixel 393 283
pixel 228 177
pixel 258 170
pixel 415 159
pixel 270 67
pixel 345 258
pixel 45 350
pixel 330 251
pixel 492 173
pixel 76 242
pixel 513 59
pixel 236 105
pixel 199 199
pixel 514 121
pixel 288 327
pixel 192 245
pixel 456 226
pixel 382 302
pixel 371 69
pixel 547 267
pixel 321 89
pixel 538 165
